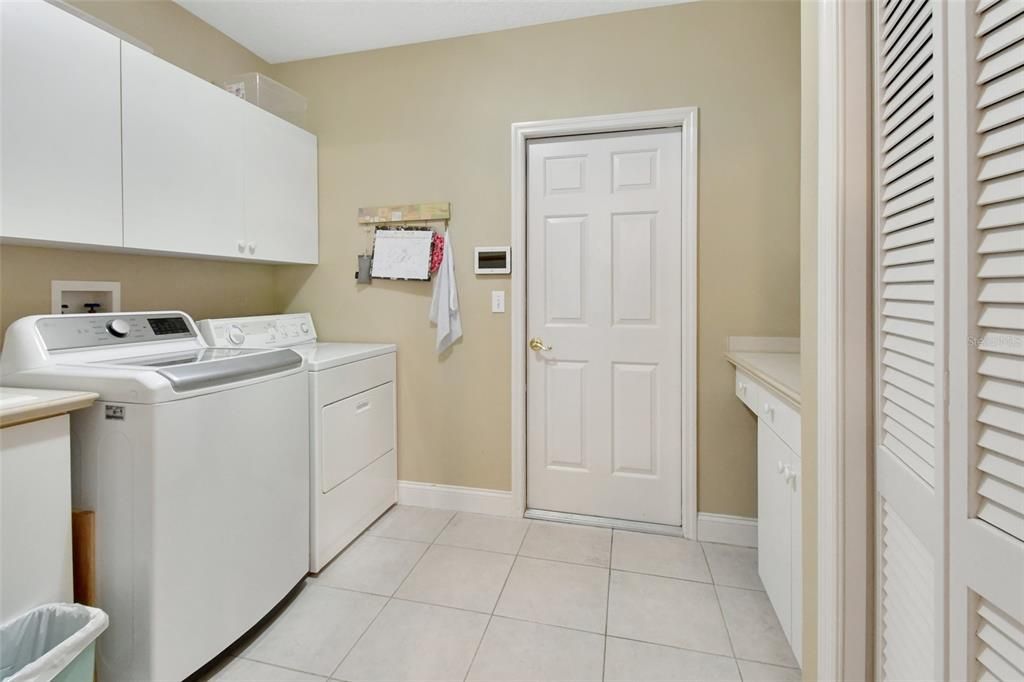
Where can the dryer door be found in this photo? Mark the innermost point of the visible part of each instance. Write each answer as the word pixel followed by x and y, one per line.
pixel 356 431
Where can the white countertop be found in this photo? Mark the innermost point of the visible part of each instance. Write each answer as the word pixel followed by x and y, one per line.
pixel 778 371
pixel 20 405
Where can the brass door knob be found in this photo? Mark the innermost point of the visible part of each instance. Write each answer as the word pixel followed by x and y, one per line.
pixel 538 345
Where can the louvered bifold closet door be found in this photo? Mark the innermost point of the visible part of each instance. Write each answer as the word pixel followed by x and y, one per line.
pixel 910 319
pixel 986 134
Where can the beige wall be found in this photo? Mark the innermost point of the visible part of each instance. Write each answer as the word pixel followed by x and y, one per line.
pixel 430 122
pixel 200 287
pixel 808 328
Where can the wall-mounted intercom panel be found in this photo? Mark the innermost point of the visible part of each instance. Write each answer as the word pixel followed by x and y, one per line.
pixel 493 260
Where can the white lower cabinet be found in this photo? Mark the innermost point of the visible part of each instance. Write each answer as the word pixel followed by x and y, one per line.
pixel 779 539
pixel 774 528
pixel 778 530
pixel 35 515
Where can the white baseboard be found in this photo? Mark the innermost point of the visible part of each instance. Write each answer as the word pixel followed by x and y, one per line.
pixel 727 530
pixel 455 497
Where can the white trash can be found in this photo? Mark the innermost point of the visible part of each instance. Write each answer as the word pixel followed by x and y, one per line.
pixel 51 642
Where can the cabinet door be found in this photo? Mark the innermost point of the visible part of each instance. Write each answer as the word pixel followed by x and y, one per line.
pixel 796 559
pixel 280 189
pixel 61 127
pixel 774 530
pixel 183 179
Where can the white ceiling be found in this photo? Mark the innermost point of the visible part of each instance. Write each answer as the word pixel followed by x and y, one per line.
pixel 288 30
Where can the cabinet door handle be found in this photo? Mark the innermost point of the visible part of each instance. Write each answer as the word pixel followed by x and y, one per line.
pixel 780 466
pixel 362 407
pixel 769 412
pixel 241 246
pixel 743 388
pixel 252 247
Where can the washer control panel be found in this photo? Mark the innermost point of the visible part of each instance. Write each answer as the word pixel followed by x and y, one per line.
pixel 264 331
pixel 64 332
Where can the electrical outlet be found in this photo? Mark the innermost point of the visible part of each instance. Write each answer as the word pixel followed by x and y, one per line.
pixel 497 301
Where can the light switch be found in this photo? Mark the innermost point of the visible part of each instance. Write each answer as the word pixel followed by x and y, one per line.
pixel 497 301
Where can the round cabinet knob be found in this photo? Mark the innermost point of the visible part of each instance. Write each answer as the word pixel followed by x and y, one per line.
pixel 769 411
pixel 780 466
pixel 252 247
pixel 241 246
pixel 118 328
pixel 235 334
pixel 304 327
pixel 743 389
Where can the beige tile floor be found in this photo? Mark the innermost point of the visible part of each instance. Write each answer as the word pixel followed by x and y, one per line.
pixel 434 595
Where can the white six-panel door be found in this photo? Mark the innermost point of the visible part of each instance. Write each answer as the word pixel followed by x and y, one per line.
pixel 605 294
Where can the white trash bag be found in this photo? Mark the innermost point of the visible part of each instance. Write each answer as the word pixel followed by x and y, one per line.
pixel 51 642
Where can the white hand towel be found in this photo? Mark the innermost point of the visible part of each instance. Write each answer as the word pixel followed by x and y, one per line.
pixel 444 306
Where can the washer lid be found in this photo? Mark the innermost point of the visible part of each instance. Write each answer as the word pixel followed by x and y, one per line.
pixel 205 367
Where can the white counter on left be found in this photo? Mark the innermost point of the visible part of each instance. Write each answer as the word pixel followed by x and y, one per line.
pixel 20 405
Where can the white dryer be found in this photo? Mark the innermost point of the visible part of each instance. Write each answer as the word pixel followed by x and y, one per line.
pixel 195 461
pixel 352 426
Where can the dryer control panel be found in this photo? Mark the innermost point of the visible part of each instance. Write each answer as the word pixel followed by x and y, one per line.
pixel 263 331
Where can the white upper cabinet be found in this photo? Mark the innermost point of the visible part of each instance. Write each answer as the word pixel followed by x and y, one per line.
pixel 107 145
pixel 61 127
pixel 280 162
pixel 183 171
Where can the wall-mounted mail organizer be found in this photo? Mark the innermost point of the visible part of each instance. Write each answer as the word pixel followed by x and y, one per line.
pixel 400 240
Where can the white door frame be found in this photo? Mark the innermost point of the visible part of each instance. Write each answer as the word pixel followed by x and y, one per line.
pixel 845 344
pixel 685 118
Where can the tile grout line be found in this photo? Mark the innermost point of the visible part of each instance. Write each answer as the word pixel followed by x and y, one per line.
pixel 607 607
pixel 389 600
pixel 676 647
pixel 490 617
pixel 272 665
pixel 725 624
pixel 721 611
pixel 479 643
pixel 359 639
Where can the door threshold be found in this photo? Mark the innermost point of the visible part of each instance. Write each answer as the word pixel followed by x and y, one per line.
pixel 604 522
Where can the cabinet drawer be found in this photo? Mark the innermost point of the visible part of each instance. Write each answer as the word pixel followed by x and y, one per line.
pixel 780 417
pixel 748 391
pixel 356 431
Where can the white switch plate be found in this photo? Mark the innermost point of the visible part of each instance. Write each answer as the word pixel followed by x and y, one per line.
pixel 497 301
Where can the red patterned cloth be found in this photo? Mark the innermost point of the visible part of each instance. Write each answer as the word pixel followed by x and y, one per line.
pixel 436 252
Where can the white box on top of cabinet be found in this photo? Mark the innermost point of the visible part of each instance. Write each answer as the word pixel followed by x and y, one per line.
pixel 160 161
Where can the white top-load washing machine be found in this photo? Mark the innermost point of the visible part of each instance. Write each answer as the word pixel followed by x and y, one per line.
pixel 352 427
pixel 196 463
